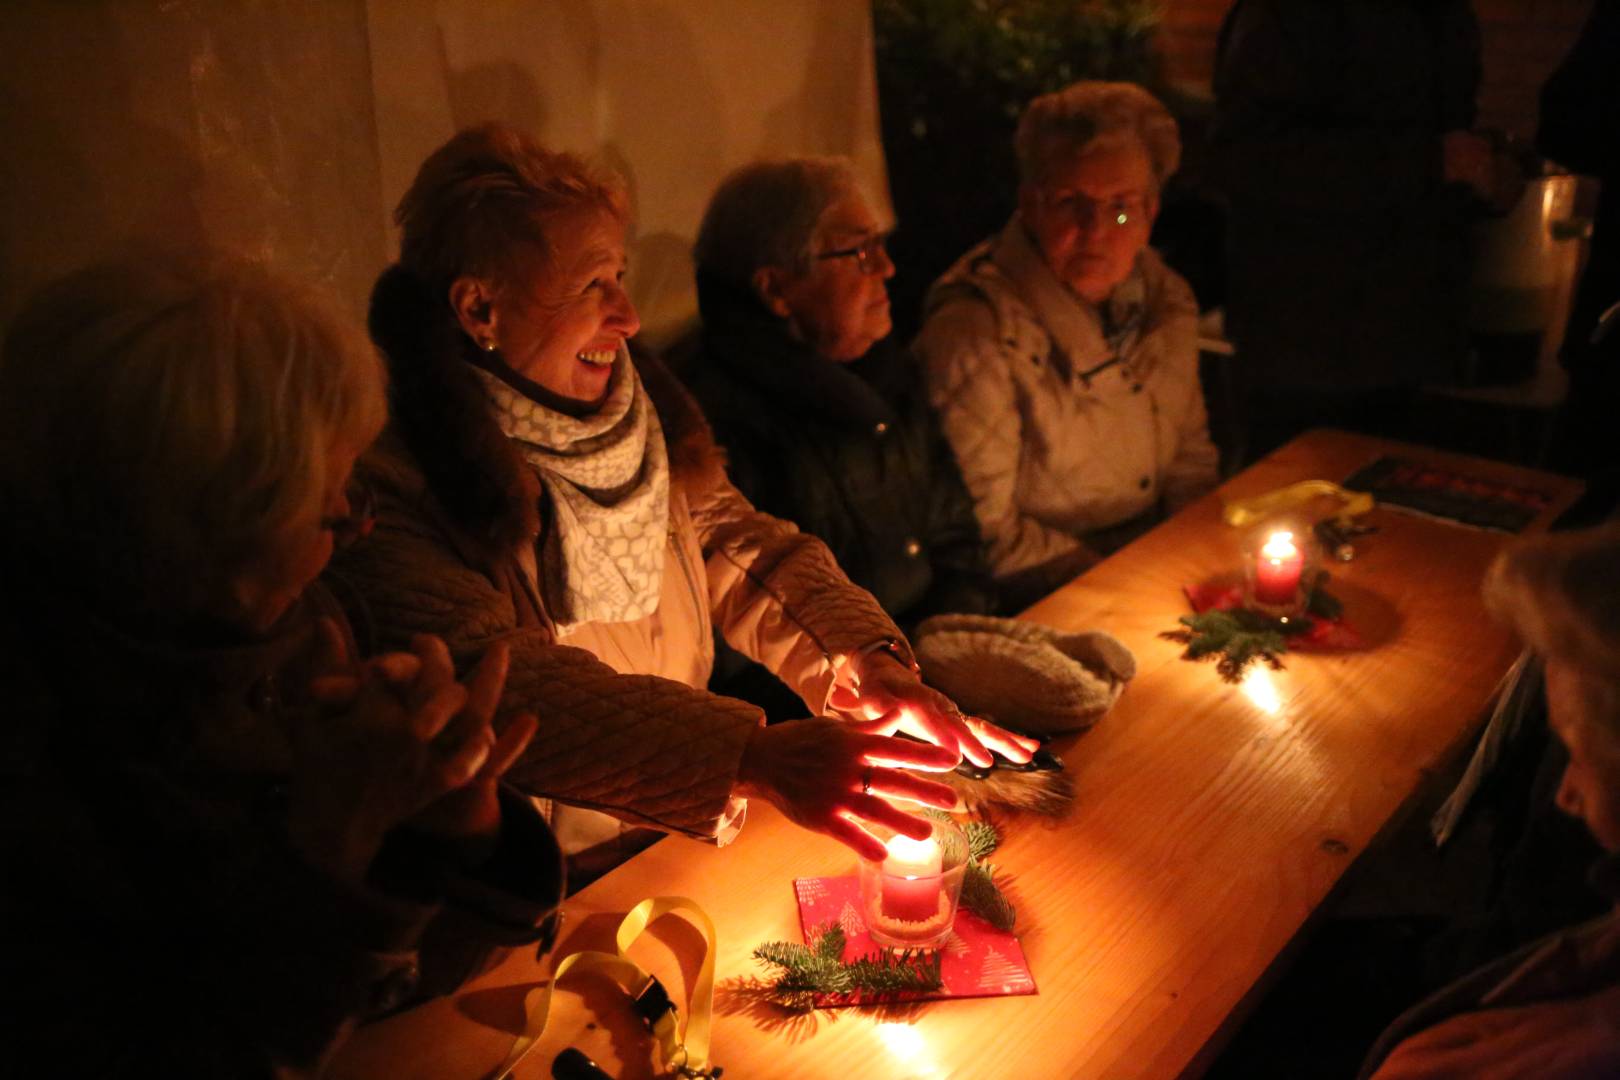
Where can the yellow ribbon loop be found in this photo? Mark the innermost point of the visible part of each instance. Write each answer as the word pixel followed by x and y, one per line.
pixel 1248 511
pixel 689 1057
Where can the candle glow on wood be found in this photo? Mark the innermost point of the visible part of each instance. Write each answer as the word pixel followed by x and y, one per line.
pixel 911 883
pixel 1277 569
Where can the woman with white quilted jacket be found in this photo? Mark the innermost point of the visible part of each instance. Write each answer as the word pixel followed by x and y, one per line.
pixel 1062 352
pixel 539 487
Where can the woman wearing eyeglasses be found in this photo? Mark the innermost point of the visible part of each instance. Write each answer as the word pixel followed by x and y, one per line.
pixel 821 411
pixel 1062 354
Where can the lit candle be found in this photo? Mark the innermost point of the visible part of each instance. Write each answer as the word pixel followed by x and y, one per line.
pixel 1277 570
pixel 911 879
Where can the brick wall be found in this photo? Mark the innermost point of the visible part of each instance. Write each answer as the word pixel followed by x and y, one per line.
pixel 1523 39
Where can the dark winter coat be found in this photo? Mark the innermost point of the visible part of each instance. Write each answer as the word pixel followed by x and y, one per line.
pixel 153 917
pixel 1347 255
pixel 851 453
pixel 1550 1010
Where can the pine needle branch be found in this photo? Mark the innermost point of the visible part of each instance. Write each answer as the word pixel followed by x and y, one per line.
pixel 805 971
pixel 980 893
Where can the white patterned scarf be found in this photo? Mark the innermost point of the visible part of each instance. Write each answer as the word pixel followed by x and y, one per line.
pixel 607 475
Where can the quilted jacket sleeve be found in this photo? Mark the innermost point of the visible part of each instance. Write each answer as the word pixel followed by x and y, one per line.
pixel 970 384
pixel 1194 466
pixel 778 595
pixel 642 748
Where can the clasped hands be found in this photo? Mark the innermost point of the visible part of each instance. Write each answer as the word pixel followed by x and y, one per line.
pixel 828 775
pixel 398 740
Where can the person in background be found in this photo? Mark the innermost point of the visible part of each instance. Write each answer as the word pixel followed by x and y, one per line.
pixel 1062 353
pixel 821 412
pixel 540 488
pixel 226 839
pixel 1551 1009
pixel 1344 143
pixel 1580 129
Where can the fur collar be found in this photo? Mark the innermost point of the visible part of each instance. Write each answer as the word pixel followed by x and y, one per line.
pixel 442 417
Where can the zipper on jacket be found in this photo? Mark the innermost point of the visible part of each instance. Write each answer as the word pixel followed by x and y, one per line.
pixel 699 601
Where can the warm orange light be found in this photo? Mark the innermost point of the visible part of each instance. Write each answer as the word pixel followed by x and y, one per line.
pixel 1279 546
pixel 1261 689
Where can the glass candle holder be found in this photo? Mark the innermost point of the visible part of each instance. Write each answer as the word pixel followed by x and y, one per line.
pixel 909 898
pixel 1278 564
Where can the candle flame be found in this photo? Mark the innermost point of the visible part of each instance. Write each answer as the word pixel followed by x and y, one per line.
pixel 905 849
pixel 1280 545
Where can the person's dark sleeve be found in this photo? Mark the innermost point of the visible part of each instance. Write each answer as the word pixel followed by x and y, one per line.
pixel 1580 103
pixel 1276 139
pixel 962 582
pixel 187 952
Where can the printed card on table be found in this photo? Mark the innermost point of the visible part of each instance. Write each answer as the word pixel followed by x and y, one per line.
pixel 978 960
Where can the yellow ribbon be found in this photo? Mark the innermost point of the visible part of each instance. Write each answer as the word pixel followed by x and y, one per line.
pixel 689 1057
pixel 1248 511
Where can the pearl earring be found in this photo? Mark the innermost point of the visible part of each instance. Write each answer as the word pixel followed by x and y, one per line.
pixel 488 346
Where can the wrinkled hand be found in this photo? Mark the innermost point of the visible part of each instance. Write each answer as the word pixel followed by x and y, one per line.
pixel 893 698
pixel 472 812
pixel 389 738
pixel 825 775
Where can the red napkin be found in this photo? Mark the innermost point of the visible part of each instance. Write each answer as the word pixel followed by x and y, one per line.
pixel 978 960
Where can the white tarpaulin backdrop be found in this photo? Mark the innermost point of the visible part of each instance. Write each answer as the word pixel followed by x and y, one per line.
pixel 289 128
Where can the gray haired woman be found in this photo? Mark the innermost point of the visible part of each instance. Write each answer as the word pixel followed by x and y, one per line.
pixel 1552 1009
pixel 822 413
pixel 1061 353
pixel 210 808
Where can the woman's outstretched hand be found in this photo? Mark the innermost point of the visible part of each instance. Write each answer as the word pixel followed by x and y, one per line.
pixel 827 775
pixel 893 698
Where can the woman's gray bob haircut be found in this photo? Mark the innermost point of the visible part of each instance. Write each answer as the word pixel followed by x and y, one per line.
pixel 1084 113
pixel 765 214
pixel 1561 593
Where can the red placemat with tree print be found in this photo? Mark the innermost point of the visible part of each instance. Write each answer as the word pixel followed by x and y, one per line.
pixel 977 961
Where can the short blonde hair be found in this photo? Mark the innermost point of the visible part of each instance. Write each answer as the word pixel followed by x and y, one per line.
pixel 1561 593
pixel 161 420
pixel 481 203
pixel 1085 114
pixel 765 214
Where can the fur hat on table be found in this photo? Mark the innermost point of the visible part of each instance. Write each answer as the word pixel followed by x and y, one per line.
pixel 1025 676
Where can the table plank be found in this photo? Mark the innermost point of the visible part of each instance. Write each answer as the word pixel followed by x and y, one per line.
pixel 1211 822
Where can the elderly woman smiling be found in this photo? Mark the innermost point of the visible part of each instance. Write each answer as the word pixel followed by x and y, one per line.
pixel 821 412
pixel 1061 353
pixel 541 489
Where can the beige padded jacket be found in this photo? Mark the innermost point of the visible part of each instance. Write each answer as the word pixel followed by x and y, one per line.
pixel 625 724
pixel 1061 432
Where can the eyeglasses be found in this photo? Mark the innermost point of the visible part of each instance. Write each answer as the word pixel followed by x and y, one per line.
pixel 1115 213
pixel 865 253
pixel 358 522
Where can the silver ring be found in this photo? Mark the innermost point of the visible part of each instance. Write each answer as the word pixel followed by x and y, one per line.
pixel 866 781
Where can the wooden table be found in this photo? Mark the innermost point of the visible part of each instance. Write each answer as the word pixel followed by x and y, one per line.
pixel 1212 821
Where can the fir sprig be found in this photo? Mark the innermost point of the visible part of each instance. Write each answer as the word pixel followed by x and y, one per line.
pixel 1233 639
pixel 980 893
pixel 805 971
pixel 1238 637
